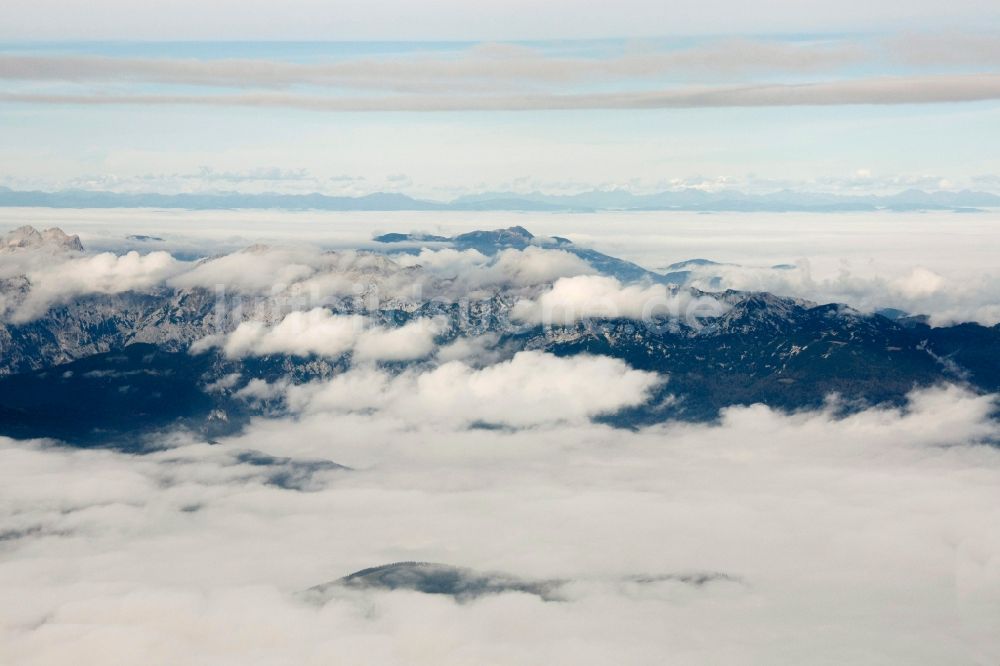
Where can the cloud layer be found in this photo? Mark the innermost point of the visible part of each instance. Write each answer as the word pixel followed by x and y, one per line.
pixel 494 67
pixel 919 290
pixel 55 278
pixel 934 264
pixel 866 538
pixel 264 283
pixel 909 68
pixel 869 91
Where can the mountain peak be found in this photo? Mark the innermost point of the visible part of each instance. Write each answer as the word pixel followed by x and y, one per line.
pixel 511 236
pixel 27 237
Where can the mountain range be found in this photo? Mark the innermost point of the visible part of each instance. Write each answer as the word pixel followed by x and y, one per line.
pixel 690 199
pixel 110 368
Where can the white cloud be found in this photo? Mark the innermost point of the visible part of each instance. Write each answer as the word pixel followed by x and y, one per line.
pixel 484 67
pixel 308 276
pixel 594 296
pixel 502 66
pixel 257 269
pixel 299 271
pixel 263 283
pixel 473 350
pixel 320 332
pixel 858 538
pixel 919 290
pixel 867 262
pixel 509 268
pixel 317 331
pixel 258 390
pixel 529 389
pixel 919 282
pixel 54 279
pixel 537 266
pixel 411 341
pixel 887 90
pixel 224 383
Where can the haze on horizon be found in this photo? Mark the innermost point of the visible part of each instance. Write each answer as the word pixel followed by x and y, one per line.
pixel 446 98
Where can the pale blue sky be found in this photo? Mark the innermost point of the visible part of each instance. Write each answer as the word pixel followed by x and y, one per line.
pixel 168 131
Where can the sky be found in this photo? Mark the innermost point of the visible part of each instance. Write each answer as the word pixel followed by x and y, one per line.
pixel 456 98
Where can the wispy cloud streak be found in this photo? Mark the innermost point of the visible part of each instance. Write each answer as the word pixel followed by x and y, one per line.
pixel 871 91
pixel 486 65
pixel 504 65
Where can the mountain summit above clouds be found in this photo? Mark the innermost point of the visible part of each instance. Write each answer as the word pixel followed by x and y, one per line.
pixel 518 238
pixel 209 344
pixel 27 237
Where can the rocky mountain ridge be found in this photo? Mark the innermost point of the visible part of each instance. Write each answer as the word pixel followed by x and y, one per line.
pixel 102 352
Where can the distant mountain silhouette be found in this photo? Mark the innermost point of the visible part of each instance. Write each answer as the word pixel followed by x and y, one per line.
pixel 683 200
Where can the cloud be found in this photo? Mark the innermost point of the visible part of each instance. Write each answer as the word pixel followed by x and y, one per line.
pixel 473 350
pixel 494 67
pixel 277 275
pixel 257 269
pixel 309 275
pixel 529 389
pixel 947 48
pixel 944 271
pixel 601 297
pixel 257 391
pixel 536 266
pixel 510 267
pixel 54 279
pixel 319 332
pixel 887 90
pixel 263 283
pixel 316 332
pixel 411 341
pixel 919 282
pixel 482 68
pixel 918 290
pixel 867 535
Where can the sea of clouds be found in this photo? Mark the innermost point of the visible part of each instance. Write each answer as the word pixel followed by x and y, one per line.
pixel 939 264
pixel 765 537
pixel 865 539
